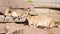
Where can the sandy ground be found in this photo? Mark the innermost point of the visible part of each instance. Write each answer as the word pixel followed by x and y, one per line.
pixel 11 27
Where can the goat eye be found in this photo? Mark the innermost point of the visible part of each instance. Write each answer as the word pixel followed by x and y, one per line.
pixel 9 12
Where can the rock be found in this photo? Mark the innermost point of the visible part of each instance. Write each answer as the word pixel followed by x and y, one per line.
pixel 3 28
pixel 20 20
pixel 14 28
pixel 8 19
pixel 2 18
pixel 17 32
pixel 13 4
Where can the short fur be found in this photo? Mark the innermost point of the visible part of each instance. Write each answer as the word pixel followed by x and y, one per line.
pixel 36 21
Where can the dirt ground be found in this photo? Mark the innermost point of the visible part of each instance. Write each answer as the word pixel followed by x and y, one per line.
pixel 11 27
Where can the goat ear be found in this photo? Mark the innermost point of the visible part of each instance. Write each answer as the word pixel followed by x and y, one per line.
pixel 24 14
pixel 28 10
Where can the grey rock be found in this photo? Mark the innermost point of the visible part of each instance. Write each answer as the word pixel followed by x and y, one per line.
pixel 8 19
pixel 1 18
pixel 20 20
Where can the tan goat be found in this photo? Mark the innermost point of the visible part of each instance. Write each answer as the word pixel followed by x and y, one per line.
pixel 36 21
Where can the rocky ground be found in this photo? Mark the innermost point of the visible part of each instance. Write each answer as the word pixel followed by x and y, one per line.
pixel 10 28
